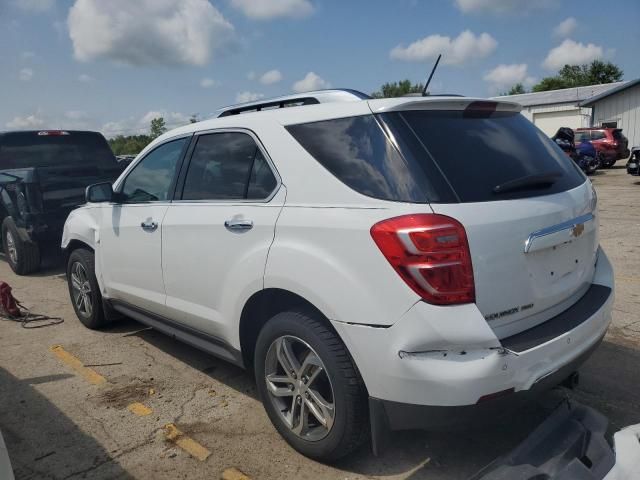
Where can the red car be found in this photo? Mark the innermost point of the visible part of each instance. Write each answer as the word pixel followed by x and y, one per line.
pixel 610 143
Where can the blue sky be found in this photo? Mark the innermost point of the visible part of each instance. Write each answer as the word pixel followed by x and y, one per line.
pixel 113 65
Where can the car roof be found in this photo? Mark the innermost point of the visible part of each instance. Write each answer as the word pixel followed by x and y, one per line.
pixel 325 111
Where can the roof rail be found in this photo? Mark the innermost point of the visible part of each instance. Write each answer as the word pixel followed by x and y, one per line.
pixel 296 100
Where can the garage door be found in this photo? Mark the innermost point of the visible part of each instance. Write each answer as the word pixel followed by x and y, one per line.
pixel 550 122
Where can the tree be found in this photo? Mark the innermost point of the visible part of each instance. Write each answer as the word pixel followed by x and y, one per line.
pixel 569 76
pixel 158 127
pixel 129 144
pixel 398 89
pixel 517 89
pixel 193 118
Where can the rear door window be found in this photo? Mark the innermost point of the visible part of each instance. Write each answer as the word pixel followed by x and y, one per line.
pixel 598 135
pixel 228 166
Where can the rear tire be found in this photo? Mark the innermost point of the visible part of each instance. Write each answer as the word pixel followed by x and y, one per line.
pixel 330 384
pixel 84 290
pixel 23 256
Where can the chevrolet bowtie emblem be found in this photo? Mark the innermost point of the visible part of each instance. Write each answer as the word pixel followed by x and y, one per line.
pixel 577 230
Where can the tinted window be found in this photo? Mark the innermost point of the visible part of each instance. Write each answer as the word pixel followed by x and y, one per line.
pixel 359 154
pixel 598 135
pixel 617 135
pixel 477 152
pixel 30 149
pixel 151 179
pixel 228 166
pixel 582 137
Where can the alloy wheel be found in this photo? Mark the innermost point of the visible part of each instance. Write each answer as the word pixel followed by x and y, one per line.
pixel 81 289
pixel 11 248
pixel 299 388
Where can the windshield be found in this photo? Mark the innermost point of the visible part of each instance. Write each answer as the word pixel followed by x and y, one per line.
pixel 30 149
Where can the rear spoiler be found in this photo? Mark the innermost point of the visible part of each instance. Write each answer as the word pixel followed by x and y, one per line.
pixel 442 103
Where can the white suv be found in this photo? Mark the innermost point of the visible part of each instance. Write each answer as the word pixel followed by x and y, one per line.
pixel 394 263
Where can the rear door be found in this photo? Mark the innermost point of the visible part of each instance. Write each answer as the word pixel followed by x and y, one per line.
pixel 529 213
pixel 216 236
pixel 130 235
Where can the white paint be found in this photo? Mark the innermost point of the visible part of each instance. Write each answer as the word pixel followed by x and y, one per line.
pixel 623 107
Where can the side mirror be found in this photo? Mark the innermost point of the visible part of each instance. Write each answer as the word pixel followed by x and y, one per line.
pixel 99 193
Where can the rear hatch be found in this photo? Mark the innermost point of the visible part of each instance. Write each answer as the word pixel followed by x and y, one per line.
pixel 61 163
pixel 623 142
pixel 527 209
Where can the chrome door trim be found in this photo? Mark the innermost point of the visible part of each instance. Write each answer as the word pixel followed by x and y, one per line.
pixel 568 225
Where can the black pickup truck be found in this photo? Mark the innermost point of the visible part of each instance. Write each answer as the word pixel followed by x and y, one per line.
pixel 43 176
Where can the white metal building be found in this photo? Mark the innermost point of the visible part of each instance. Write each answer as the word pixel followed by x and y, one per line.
pixel 561 108
pixel 618 107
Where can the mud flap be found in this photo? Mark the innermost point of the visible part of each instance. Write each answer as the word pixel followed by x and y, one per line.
pixel 569 444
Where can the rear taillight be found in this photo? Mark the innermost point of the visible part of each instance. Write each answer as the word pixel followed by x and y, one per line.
pixel 431 254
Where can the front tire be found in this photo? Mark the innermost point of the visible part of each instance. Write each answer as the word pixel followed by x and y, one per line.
pixel 310 387
pixel 84 289
pixel 23 256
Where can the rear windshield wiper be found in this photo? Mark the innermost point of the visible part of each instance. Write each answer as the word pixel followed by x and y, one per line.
pixel 538 180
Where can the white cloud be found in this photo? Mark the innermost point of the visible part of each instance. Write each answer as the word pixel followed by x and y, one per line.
pixel 566 27
pixel 311 81
pixel 84 78
pixel 35 120
pixel 455 51
pixel 35 5
pixel 26 74
pixel 147 32
pixel 244 97
pixel 502 6
pixel 267 10
pixel 505 76
pixel 270 77
pixel 570 52
pixel 207 82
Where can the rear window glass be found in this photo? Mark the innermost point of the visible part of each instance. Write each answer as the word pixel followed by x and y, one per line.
pixel 438 156
pixel 477 153
pixel 617 134
pixel 28 149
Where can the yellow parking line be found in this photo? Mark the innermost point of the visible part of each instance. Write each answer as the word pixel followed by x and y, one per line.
pixel 139 409
pixel 234 474
pixel 189 445
pixel 88 374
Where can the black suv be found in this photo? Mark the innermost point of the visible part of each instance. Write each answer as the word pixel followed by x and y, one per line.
pixel 43 176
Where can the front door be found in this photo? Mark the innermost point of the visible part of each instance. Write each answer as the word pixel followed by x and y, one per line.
pixel 217 233
pixel 130 237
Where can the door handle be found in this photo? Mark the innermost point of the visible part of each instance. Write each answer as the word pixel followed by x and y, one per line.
pixel 238 225
pixel 149 225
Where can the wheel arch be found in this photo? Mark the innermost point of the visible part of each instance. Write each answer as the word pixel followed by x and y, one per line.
pixel 262 306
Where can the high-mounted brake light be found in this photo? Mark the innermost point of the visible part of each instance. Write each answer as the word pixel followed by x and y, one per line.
pixel 52 133
pixel 431 254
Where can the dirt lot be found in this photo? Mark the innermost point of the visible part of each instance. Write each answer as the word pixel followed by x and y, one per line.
pixel 97 406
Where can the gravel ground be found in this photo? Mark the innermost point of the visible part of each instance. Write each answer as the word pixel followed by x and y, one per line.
pixel 99 406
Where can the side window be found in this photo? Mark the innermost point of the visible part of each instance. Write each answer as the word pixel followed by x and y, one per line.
pixel 228 166
pixel 150 180
pixel 597 135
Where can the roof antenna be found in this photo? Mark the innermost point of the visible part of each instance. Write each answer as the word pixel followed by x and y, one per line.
pixel 425 93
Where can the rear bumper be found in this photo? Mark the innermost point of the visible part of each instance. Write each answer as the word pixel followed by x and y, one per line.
pixel 449 356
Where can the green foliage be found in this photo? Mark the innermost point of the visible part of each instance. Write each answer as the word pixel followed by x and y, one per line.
pixel 158 127
pixel 398 89
pixel 594 73
pixel 129 145
pixel 517 89
pixel 193 118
